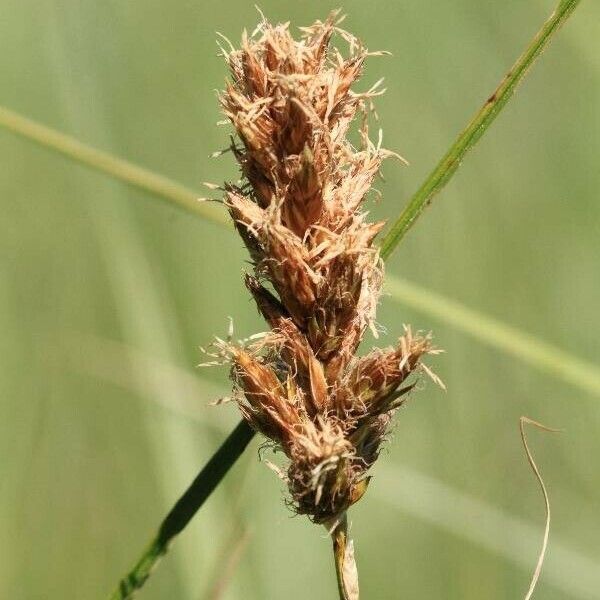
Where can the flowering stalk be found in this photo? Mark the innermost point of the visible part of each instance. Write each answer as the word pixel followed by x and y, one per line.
pixel 317 273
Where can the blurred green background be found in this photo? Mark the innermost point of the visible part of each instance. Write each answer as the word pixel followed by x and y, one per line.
pixel 106 294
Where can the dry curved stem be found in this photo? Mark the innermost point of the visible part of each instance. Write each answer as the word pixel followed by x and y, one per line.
pixel 538 568
pixel 345 563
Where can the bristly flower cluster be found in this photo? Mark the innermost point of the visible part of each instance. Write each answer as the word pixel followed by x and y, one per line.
pixel 318 273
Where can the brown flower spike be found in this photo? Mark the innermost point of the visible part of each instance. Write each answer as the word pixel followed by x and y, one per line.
pixel 318 273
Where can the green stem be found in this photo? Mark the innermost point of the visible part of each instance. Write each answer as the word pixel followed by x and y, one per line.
pixel 185 508
pixel 450 162
pixel 134 175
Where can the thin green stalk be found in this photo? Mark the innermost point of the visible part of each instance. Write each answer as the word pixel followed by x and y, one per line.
pixel 480 123
pixel 116 167
pixel 185 508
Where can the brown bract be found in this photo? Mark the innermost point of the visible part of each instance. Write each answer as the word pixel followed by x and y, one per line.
pixel 318 273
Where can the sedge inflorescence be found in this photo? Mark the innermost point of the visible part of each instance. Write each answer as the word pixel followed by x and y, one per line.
pixel 317 272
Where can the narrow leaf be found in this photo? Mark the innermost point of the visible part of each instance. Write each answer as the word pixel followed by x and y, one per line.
pixel 480 123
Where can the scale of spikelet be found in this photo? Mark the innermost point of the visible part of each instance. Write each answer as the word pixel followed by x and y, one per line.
pixel 318 273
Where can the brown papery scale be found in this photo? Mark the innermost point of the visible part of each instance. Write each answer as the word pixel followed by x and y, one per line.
pixel 317 272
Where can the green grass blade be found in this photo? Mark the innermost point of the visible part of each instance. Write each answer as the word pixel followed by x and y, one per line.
pixel 111 165
pixel 185 508
pixel 467 139
pixel 498 335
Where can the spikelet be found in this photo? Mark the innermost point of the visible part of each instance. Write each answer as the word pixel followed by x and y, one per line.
pixel 317 273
